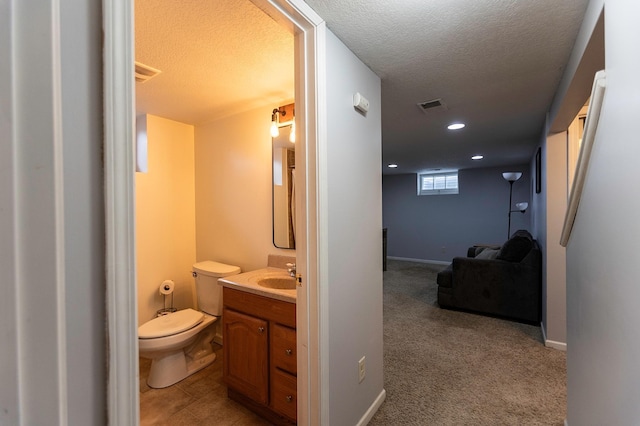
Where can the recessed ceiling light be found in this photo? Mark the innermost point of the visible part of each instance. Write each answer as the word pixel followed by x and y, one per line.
pixel 392 166
pixel 455 126
pixel 477 157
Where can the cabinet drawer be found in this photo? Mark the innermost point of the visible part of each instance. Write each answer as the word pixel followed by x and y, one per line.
pixel 284 398
pixel 264 307
pixel 283 348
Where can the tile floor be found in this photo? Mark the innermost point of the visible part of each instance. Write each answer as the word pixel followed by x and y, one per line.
pixel 200 399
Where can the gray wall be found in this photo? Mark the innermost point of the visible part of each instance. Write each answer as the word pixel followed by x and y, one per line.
pixel 349 239
pixel 603 344
pixel 418 227
pixel 554 193
pixel 53 368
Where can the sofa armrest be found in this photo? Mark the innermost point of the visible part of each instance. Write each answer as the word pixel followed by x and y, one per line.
pixel 497 286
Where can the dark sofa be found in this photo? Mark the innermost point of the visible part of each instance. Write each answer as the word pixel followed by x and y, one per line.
pixel 504 281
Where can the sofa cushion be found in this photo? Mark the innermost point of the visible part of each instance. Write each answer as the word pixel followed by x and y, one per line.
pixel 516 247
pixel 488 254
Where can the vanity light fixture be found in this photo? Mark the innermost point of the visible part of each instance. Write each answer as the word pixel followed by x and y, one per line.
pixel 274 121
pixel 274 130
pixel 392 166
pixel 477 157
pixel 277 122
pixel 455 126
pixel 292 133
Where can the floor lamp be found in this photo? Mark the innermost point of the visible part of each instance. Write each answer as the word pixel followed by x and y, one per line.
pixel 520 207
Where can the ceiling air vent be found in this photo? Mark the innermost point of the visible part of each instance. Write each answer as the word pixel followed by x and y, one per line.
pixel 145 72
pixel 432 105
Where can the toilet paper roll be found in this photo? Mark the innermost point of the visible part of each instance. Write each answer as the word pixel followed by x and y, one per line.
pixel 167 287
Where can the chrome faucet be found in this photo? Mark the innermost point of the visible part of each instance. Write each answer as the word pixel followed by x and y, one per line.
pixel 291 267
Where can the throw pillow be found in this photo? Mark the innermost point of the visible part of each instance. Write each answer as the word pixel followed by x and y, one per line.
pixel 489 254
pixel 517 247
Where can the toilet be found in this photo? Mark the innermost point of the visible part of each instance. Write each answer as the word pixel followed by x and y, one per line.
pixel 179 343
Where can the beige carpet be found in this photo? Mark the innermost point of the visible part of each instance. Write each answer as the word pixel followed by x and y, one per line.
pixel 444 367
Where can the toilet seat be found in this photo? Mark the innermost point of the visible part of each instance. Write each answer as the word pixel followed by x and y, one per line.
pixel 168 325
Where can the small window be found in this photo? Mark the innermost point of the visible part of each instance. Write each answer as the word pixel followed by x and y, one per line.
pixel 438 183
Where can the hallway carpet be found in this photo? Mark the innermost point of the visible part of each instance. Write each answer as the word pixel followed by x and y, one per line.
pixel 445 367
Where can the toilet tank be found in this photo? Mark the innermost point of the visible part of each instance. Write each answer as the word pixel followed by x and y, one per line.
pixel 208 291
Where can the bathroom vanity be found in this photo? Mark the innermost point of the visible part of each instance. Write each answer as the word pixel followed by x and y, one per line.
pixel 259 344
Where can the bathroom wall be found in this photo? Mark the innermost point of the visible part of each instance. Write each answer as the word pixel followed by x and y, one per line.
pixel 165 216
pixel 233 190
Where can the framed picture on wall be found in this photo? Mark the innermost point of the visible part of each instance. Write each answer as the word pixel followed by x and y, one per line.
pixel 538 172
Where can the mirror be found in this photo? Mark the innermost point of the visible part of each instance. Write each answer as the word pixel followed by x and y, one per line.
pixel 283 195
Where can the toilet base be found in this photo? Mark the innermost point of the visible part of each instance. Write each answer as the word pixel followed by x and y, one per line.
pixel 173 368
pixel 168 368
pixel 199 364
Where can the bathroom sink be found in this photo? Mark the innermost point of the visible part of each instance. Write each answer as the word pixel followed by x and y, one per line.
pixel 280 283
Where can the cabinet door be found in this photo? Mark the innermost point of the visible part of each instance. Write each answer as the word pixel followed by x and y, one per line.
pixel 245 345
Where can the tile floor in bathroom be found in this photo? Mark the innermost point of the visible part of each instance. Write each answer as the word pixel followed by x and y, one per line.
pixel 200 399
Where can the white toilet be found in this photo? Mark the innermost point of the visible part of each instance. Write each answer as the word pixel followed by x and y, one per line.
pixel 179 343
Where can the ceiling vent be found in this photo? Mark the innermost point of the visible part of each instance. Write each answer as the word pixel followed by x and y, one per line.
pixel 432 106
pixel 145 72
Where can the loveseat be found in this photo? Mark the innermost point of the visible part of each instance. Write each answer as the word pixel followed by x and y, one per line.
pixel 501 281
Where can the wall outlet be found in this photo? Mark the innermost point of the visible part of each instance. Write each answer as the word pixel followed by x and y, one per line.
pixel 361 370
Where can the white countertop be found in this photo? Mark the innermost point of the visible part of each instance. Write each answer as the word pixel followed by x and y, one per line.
pixel 248 281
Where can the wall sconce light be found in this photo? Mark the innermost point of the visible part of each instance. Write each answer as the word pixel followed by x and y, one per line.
pixel 292 133
pixel 276 123
pixel 520 207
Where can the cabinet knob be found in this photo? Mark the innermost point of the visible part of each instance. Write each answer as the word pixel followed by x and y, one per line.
pixel 288 351
pixel 289 398
pixel 260 329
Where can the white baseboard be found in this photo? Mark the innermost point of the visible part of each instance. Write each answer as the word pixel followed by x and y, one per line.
pixel 561 346
pixel 366 418
pixel 431 262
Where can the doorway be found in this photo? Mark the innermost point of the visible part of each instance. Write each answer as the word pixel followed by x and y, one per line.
pixel 120 214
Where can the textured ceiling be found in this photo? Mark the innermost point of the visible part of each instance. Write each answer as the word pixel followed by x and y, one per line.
pixel 495 64
pixel 217 58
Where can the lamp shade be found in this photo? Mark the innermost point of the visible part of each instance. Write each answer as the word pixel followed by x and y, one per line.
pixel 512 176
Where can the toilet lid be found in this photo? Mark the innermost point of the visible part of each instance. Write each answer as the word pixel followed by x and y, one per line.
pixel 167 325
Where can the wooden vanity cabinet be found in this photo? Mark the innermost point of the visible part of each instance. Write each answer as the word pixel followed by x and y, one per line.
pixel 246 346
pixel 283 382
pixel 260 360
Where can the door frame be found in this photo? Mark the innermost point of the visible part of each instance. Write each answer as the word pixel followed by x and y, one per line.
pixel 119 136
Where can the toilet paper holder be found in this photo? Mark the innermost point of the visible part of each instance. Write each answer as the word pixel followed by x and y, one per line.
pixel 166 289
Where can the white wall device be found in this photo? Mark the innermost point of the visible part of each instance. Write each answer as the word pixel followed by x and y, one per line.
pixel 360 102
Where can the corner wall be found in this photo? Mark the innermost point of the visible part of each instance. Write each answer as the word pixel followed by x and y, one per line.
pixel 165 217
pixel 350 239
pixel 602 257
pixel 554 193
